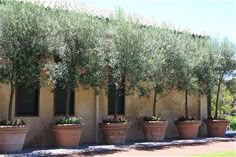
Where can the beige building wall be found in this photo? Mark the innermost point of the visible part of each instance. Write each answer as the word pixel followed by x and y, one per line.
pixel 93 109
pixel 169 107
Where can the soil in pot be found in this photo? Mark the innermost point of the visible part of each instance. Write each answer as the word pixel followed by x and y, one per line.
pixel 188 129
pixel 154 130
pixel 216 128
pixel 114 133
pixel 67 135
pixel 12 138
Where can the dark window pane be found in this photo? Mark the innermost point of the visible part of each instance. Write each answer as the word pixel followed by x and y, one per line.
pixel 111 100
pixel 60 102
pixel 26 101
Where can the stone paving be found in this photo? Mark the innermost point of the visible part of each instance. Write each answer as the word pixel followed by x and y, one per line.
pixel 96 149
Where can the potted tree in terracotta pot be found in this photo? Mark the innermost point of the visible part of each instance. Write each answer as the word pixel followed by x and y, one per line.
pixel 73 65
pixel 186 64
pixel 122 46
pixel 216 126
pixel 23 36
pixel 67 130
pixel 160 47
pixel 207 72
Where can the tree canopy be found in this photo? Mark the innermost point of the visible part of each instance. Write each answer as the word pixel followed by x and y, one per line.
pixel 75 49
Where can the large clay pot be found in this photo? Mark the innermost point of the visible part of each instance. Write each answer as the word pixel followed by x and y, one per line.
pixel 188 129
pixel 154 130
pixel 216 128
pixel 12 138
pixel 67 135
pixel 114 133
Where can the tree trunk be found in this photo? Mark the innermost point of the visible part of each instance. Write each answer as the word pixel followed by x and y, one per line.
pixel 67 102
pixel 13 73
pixel 11 100
pixel 217 96
pixel 209 103
pixel 186 103
pixel 154 103
pixel 116 104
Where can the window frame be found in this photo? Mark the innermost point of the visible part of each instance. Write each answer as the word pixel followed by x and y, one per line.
pixel 54 105
pixel 37 102
pixel 123 90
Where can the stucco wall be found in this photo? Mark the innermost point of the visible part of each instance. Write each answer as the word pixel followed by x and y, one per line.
pixel 170 107
pixel 40 132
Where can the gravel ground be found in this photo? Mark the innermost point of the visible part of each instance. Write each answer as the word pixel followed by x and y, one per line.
pixel 88 150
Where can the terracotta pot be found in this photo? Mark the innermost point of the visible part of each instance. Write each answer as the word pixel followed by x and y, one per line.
pixel 67 135
pixel 114 133
pixel 216 128
pixel 188 129
pixel 12 138
pixel 154 130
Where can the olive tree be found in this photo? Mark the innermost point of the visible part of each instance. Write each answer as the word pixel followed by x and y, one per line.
pixel 123 45
pixel 77 59
pixel 160 56
pixel 207 70
pixel 25 35
pixel 226 66
pixel 186 64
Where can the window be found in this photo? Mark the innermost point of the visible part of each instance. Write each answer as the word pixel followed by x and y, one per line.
pixel 111 100
pixel 27 101
pixel 60 102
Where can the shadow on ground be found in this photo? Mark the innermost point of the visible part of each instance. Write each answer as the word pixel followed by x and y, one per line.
pixel 90 150
pixel 106 152
pixel 152 148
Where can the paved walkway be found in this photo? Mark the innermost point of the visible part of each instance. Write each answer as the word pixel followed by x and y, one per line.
pixel 212 147
pixel 168 147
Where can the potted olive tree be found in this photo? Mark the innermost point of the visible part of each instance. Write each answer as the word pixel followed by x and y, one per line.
pixel 216 126
pixel 160 56
pixel 74 64
pixel 207 71
pixel 187 126
pixel 23 37
pixel 122 46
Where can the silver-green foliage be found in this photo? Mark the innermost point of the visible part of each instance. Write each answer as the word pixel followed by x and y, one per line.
pixel 160 56
pixel 25 36
pixel 78 51
pixel 85 50
pixel 77 60
pixel 123 45
pixel 227 64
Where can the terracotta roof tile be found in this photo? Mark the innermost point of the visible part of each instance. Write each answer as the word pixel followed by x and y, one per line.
pixel 74 5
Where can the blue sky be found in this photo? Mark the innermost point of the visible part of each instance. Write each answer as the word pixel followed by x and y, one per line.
pixel 214 17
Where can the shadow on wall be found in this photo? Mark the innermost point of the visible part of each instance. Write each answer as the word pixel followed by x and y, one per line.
pixel 43 135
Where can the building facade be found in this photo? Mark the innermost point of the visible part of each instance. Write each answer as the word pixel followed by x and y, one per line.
pixel 93 108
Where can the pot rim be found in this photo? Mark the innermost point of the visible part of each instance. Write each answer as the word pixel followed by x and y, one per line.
pixel 9 126
pixel 215 120
pixel 187 121
pixel 68 124
pixel 113 124
pixel 124 123
pixel 163 121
